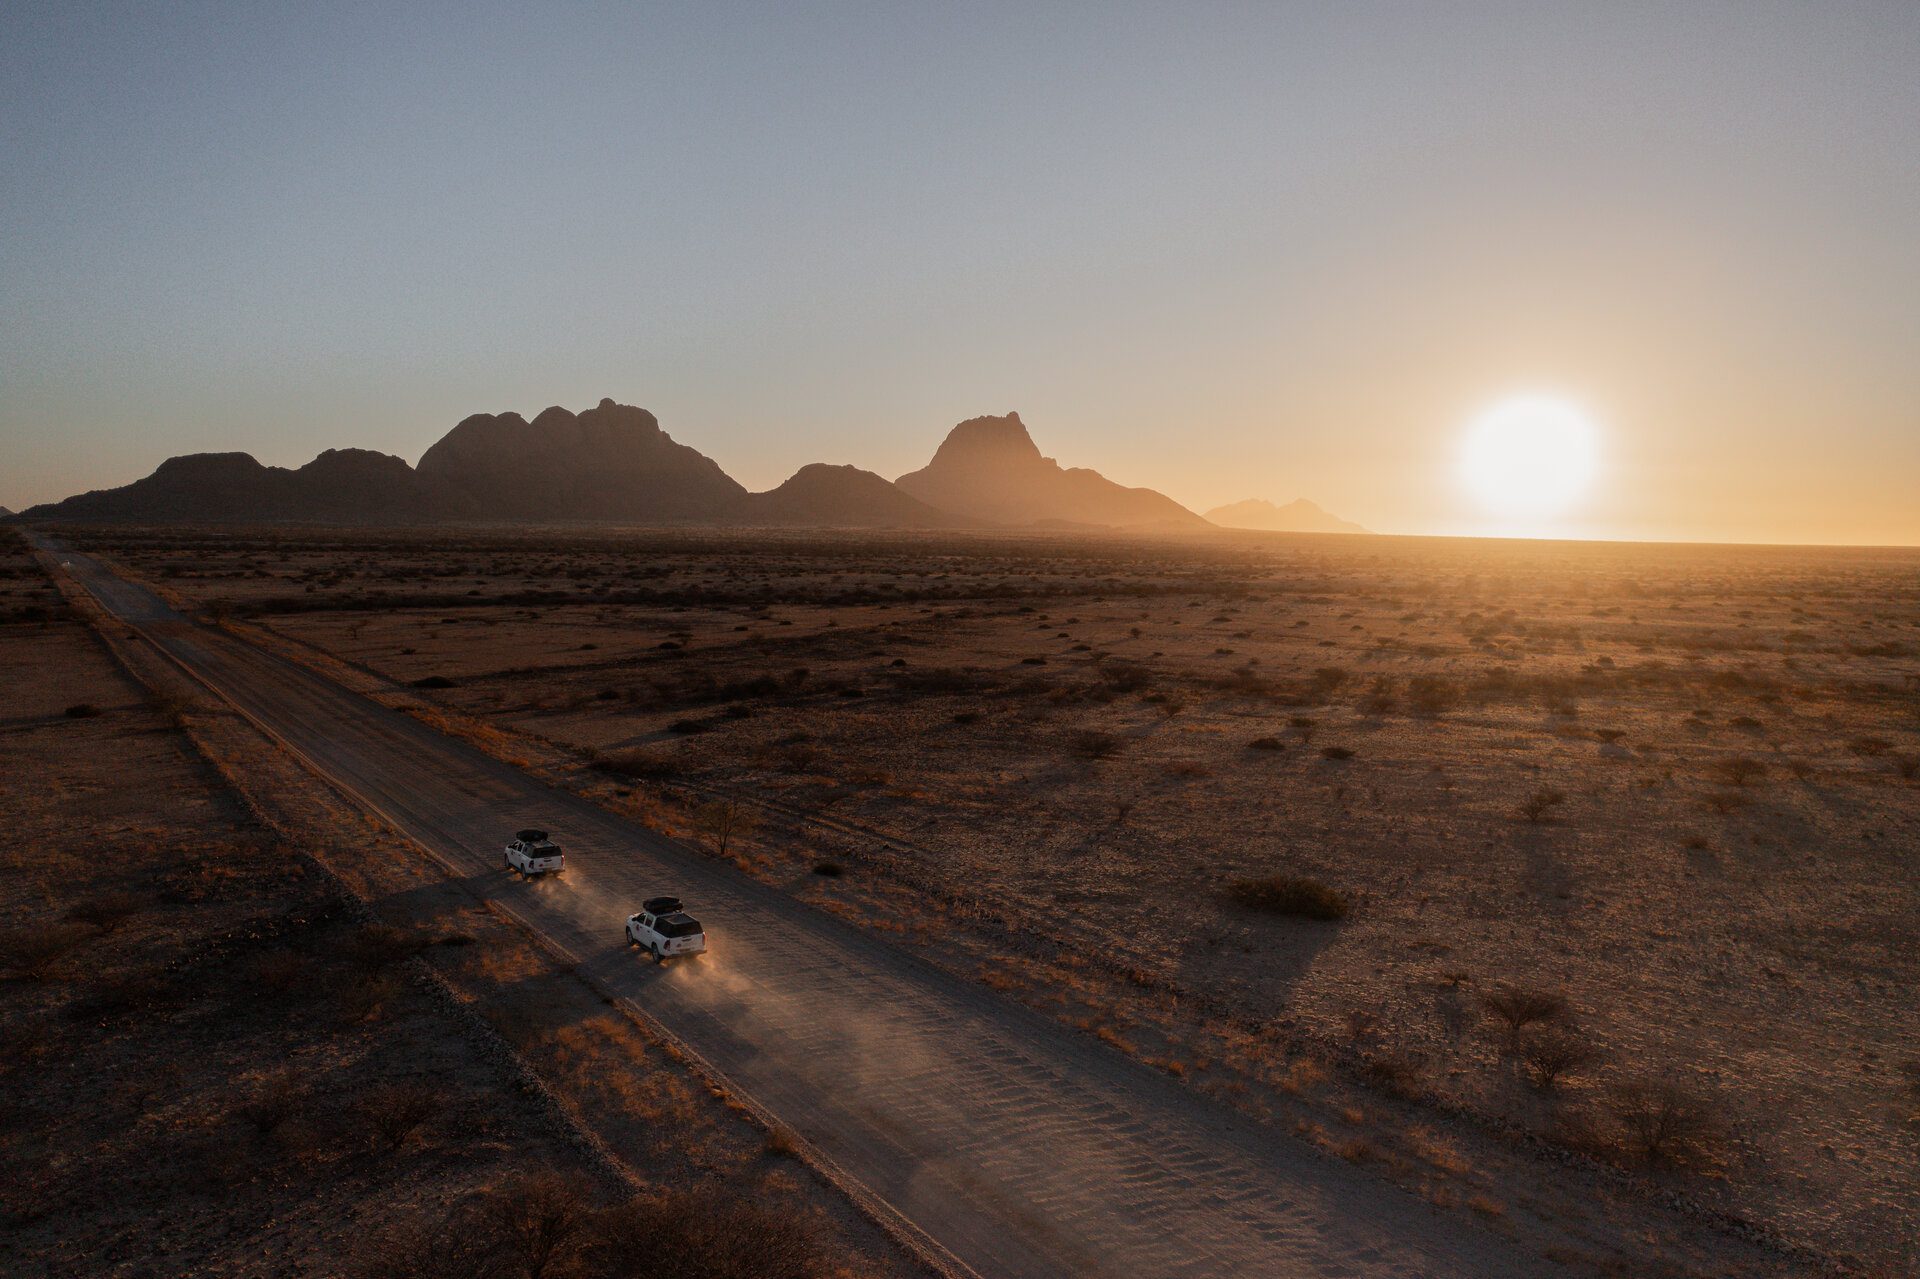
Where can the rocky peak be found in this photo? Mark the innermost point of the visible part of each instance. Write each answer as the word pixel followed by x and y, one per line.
pixel 988 441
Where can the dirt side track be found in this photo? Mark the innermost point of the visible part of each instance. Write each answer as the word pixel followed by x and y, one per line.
pixel 1016 1146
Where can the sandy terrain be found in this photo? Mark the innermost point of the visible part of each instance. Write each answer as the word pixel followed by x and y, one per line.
pixel 227 1052
pixel 1078 745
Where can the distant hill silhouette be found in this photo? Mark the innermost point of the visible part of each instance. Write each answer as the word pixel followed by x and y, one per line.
pixel 988 468
pixel 1298 516
pixel 844 497
pixel 612 462
pixel 339 486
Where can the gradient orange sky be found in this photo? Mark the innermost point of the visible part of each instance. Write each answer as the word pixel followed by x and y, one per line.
pixel 1226 251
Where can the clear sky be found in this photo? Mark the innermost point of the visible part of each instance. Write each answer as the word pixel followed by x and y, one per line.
pixel 1227 251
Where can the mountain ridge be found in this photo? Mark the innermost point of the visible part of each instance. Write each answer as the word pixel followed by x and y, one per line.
pixel 613 463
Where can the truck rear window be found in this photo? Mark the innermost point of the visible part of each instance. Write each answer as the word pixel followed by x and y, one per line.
pixel 677 926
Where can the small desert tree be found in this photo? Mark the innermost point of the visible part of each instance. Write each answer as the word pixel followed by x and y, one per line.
pixel 1517 1007
pixel 721 821
pixel 1552 1053
pixel 1743 769
pixel 1664 1124
pixel 541 1220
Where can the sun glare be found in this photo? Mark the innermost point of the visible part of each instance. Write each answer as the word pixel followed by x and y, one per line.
pixel 1529 456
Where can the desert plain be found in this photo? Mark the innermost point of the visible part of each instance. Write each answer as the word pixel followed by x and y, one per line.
pixel 1573 887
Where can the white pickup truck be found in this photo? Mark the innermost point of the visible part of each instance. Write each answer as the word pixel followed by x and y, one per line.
pixel 664 930
pixel 532 853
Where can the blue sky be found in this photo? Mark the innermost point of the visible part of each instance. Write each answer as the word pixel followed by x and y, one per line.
pixel 1223 250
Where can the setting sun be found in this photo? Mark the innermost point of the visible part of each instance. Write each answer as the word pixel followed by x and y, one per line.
pixel 1530 455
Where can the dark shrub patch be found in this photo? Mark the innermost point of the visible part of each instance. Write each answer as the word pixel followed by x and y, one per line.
pixel 644 764
pixel 685 726
pixel 1542 802
pixel 1336 752
pixel 1288 895
pixel 1266 744
pixel 1432 695
pixel 829 870
pixel 434 681
pixel 82 710
pixel 1092 745
pixel 106 913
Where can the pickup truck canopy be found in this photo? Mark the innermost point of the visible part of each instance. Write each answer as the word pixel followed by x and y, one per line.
pixel 676 925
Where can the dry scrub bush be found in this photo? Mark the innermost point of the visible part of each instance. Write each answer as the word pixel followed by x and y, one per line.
pixel 1288 895
pixel 279 1099
pixel 394 1112
pixel 1093 745
pixel 358 996
pixel 640 764
pixel 712 1236
pixel 1517 1007
pixel 107 913
pixel 546 1226
pixel 1432 694
pixel 1664 1125
pixel 1537 806
pixel 35 952
pixel 279 972
pixel 120 995
pixel 1742 769
pixel 173 706
pixel 1379 698
pixel 1553 1053
pixel 1392 1067
pixel 1337 752
pixel 379 946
